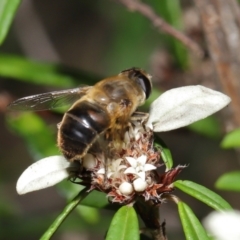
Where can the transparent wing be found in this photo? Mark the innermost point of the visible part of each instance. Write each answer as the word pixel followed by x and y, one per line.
pixel 48 100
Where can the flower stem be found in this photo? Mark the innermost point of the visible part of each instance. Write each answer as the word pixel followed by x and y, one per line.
pixel 63 215
pixel 149 213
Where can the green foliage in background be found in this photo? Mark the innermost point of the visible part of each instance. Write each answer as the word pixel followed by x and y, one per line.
pixel 8 10
pixel 231 140
pixel 171 11
pixel 132 44
pixel 230 181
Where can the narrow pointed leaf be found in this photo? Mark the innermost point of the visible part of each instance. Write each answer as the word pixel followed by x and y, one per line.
pixel 232 139
pixel 191 225
pixel 182 106
pixel 7 13
pixel 203 194
pixel 166 155
pixel 44 173
pixel 229 181
pixel 42 73
pixel 124 225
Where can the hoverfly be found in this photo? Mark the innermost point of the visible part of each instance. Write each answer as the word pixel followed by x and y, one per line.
pixel 105 107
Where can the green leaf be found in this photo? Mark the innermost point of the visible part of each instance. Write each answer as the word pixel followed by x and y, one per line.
pixel 42 73
pixel 124 225
pixel 64 214
pixel 208 127
pixel 192 227
pixel 232 139
pixel 229 181
pixel 165 153
pixel 203 194
pixel 7 13
pixel 39 137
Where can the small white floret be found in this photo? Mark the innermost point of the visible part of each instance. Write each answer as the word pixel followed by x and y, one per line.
pixel 113 169
pixel 126 188
pixel 43 173
pixel 182 106
pixel 139 166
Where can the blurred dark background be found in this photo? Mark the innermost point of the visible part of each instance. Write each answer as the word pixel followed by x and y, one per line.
pixel 101 38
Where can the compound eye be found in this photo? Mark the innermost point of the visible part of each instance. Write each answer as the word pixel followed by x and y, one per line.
pixel 145 83
pixel 142 78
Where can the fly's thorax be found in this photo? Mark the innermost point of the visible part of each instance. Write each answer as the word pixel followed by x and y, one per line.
pixel 119 89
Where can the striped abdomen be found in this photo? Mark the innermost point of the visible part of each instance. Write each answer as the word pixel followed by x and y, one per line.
pixel 80 127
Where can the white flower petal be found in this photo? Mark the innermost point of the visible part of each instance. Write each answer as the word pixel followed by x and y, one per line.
pixel 101 171
pixel 141 175
pixel 130 170
pixel 223 225
pixel 148 167
pixel 132 161
pixel 44 173
pixel 182 106
pixel 139 168
pixel 109 174
pixel 115 165
pixel 121 167
pixel 142 159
